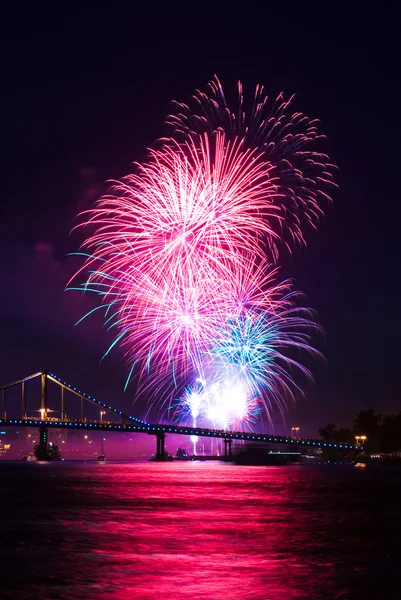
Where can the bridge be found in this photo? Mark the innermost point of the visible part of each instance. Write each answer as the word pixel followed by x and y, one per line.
pixel 118 421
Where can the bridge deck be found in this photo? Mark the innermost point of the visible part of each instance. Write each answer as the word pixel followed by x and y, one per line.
pixel 152 429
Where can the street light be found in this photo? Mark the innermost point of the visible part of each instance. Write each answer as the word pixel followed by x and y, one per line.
pixel 296 429
pixel 360 439
pixel 102 412
pixel 43 412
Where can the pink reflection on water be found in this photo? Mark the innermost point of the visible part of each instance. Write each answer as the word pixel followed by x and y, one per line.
pixel 188 530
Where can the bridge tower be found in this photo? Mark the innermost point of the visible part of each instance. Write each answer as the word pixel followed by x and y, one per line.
pixel 43 444
pixel 160 449
pixel 227 447
pixel 43 396
pixel 23 400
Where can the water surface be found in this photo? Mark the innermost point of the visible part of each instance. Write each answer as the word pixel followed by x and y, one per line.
pixel 118 531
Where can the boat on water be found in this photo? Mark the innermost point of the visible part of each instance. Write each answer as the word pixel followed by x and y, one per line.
pixel 181 454
pixel 30 458
pixel 256 455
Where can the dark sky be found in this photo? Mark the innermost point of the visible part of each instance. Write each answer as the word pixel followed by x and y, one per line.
pixel 84 94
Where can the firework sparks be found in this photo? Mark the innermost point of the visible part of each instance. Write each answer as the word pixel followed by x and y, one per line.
pixel 179 255
pixel 253 360
pixel 226 402
pixel 284 139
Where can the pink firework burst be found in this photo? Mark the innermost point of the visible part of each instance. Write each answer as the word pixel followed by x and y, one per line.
pixel 179 250
pixel 286 140
pixel 205 204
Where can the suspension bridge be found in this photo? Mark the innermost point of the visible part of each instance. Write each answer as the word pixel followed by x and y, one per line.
pixel 15 414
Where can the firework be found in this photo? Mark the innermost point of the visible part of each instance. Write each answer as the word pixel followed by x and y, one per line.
pixel 205 205
pixel 285 140
pixel 179 254
pixel 225 403
pixel 254 359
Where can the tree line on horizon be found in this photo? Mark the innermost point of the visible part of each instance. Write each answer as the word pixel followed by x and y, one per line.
pixel 383 433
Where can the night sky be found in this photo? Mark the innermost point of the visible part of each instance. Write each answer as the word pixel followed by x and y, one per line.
pixel 85 94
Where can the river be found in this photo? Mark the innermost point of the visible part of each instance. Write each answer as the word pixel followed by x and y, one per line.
pixel 123 531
